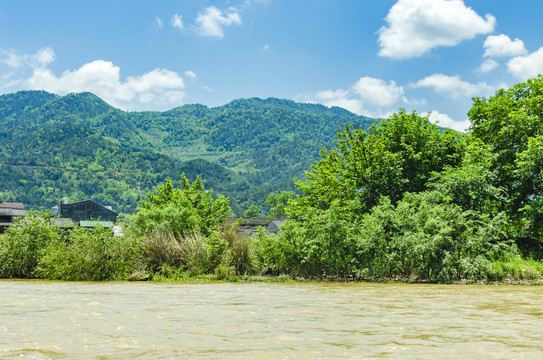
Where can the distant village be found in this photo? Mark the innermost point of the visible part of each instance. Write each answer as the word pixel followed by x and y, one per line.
pixel 89 214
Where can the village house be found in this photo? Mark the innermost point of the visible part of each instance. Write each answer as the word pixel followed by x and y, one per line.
pixel 9 212
pixel 249 227
pixel 85 213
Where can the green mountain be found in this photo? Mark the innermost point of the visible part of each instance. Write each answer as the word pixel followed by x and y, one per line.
pixel 79 146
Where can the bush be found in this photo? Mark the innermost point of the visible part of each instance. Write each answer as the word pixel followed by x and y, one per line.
pixel 23 244
pixel 88 255
pixel 427 238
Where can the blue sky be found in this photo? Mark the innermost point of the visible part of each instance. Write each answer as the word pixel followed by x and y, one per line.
pixel 370 56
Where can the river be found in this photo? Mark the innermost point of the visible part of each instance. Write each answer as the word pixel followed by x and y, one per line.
pixel 74 320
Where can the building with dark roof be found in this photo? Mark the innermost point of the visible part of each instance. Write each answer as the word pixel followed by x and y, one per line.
pixel 9 212
pixel 85 210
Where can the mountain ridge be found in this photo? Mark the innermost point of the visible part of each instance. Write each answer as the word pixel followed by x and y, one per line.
pixel 247 148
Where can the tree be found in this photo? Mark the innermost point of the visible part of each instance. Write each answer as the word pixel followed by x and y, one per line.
pixel 278 203
pixel 252 212
pixel 511 123
pixel 181 211
pixel 396 156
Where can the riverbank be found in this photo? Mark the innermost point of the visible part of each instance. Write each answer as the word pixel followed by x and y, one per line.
pixel 211 279
pixel 37 249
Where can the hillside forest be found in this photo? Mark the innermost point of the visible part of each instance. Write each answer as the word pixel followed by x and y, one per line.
pixel 79 147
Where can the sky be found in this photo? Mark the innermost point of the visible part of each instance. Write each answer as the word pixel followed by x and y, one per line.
pixel 371 57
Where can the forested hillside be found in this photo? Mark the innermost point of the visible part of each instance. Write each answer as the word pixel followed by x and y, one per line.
pixel 78 146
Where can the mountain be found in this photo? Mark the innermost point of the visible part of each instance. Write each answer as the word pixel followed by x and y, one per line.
pixel 79 146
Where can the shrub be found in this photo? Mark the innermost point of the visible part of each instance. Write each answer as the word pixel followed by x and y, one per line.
pixel 427 238
pixel 23 244
pixel 88 255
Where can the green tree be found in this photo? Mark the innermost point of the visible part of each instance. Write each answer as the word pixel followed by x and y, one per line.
pixel 398 155
pixel 528 174
pixel 182 211
pixel 252 212
pixel 506 122
pixel 278 203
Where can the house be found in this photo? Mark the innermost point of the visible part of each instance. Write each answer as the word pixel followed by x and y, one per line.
pixel 86 213
pixel 9 212
pixel 250 226
pixel 276 225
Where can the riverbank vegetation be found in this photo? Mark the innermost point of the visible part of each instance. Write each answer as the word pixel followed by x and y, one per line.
pixel 404 200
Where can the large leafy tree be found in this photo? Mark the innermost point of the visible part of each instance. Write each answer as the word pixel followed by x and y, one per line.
pixel 396 156
pixel 511 123
pixel 181 210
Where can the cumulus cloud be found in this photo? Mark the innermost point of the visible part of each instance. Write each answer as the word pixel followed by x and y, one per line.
pixel 368 96
pixel 176 21
pixel 159 89
pixel 414 27
pixel 452 86
pixel 42 58
pixel 525 67
pixel 211 21
pixel 444 120
pixel 503 46
pixel 11 59
pixel 487 66
pixel 378 92
pixel 341 98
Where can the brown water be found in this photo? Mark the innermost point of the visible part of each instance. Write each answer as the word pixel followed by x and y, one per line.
pixel 61 320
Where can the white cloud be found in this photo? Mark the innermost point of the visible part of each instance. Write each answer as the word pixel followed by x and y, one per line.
pixel 158 89
pixel 444 120
pixel 452 86
pixel 190 74
pixel 176 22
pixel 417 26
pixel 211 21
pixel 487 66
pixel 42 58
pixel 378 92
pixel 12 59
pixel 525 67
pixel 341 98
pixel 503 46
pixel 159 22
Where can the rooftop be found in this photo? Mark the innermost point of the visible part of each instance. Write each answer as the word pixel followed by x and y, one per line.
pixel 10 205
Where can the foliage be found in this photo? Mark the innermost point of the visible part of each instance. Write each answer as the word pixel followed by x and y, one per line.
pixel 239 255
pixel 278 203
pixel 425 237
pixel 403 199
pixel 77 146
pixel 472 184
pixel 252 212
pixel 182 211
pixel 23 243
pixel 89 255
pixel 511 123
pixel 397 156
pixel 166 254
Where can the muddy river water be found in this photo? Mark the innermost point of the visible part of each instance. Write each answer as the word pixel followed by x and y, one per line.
pixel 72 320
